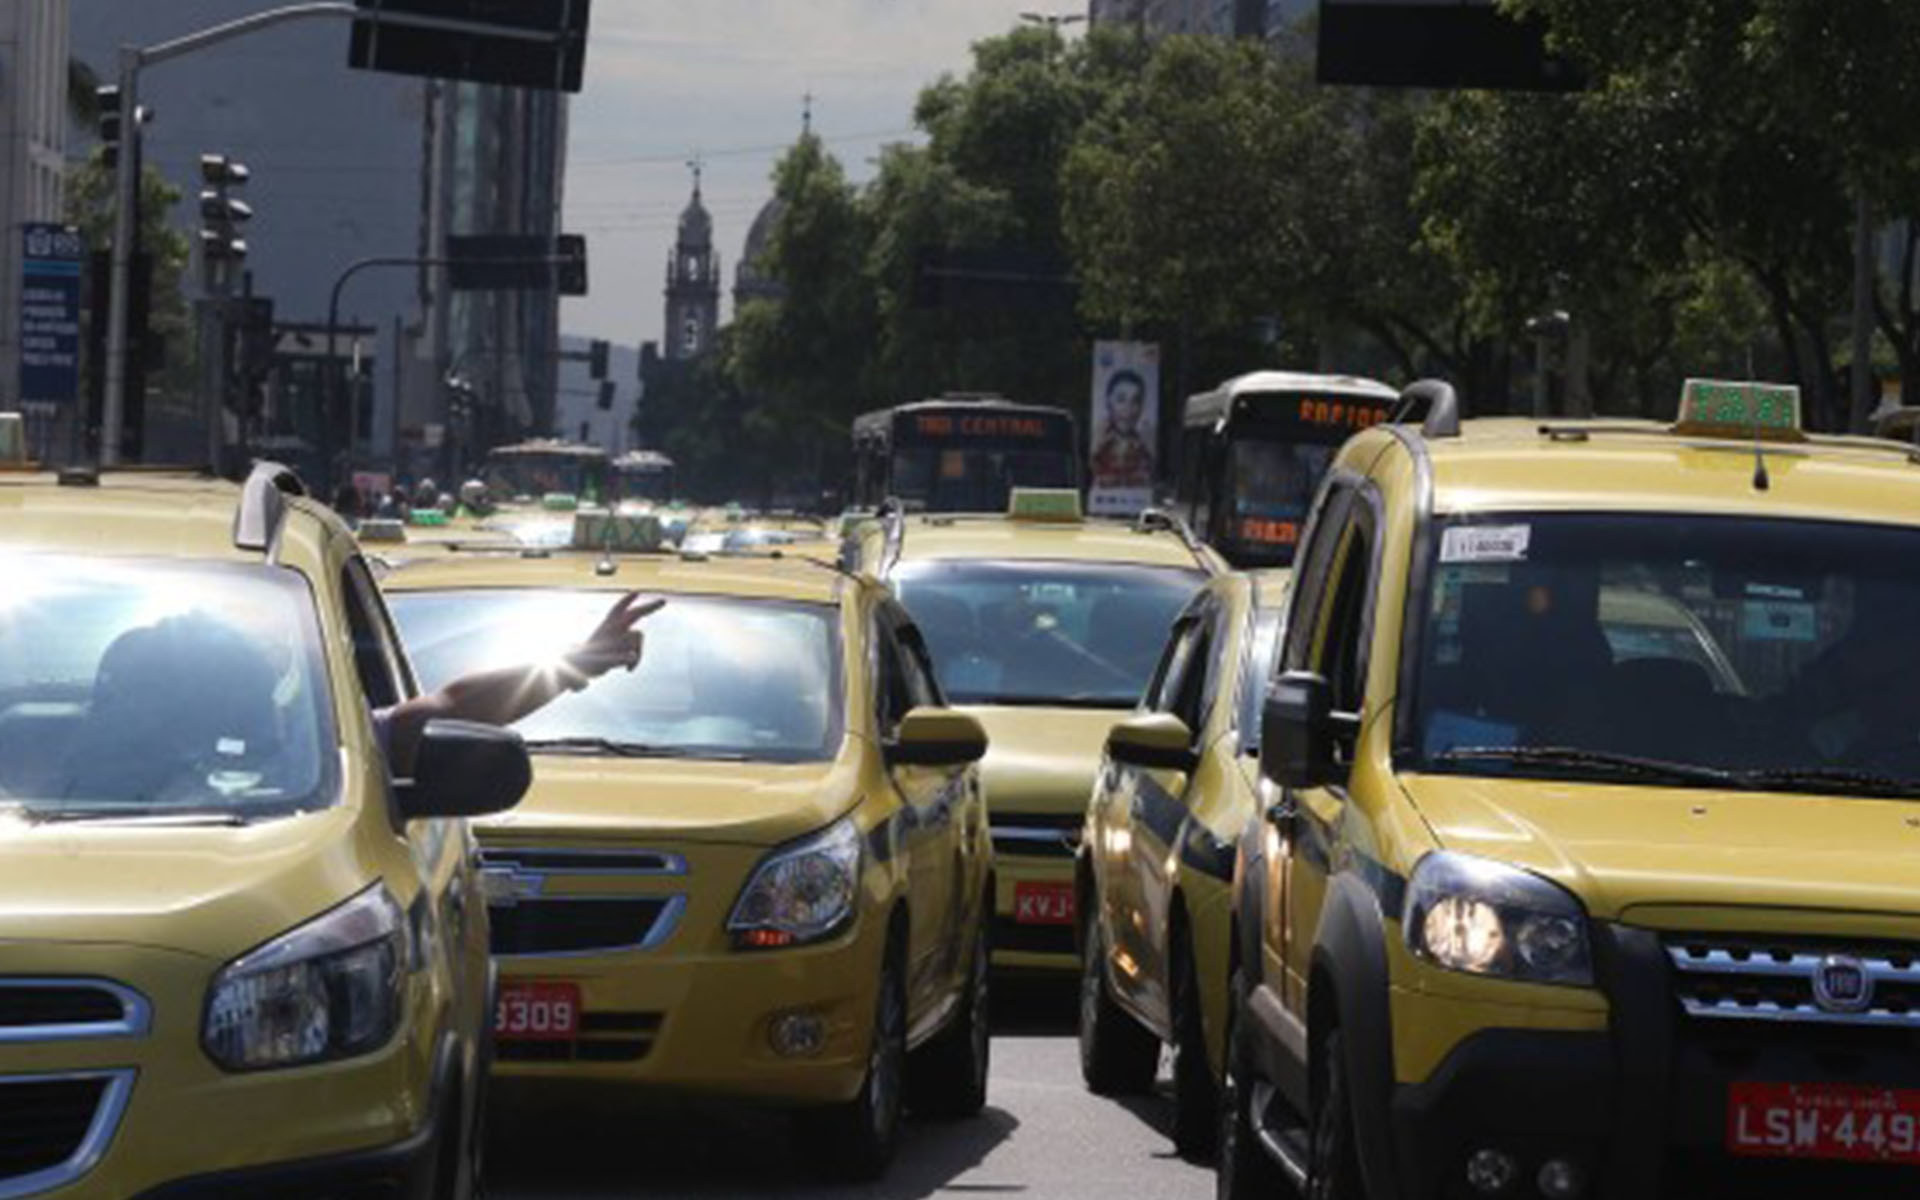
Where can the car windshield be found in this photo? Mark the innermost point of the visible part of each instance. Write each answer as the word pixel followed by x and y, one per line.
pixel 1768 652
pixel 1044 633
pixel 150 688
pixel 721 678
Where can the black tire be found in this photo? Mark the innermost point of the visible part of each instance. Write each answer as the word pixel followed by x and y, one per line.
pixel 1242 1170
pixel 947 1077
pixel 1118 1056
pixel 1196 1096
pixel 855 1142
pixel 1333 1161
pixel 458 1169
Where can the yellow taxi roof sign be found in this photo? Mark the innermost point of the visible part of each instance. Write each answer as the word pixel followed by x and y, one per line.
pixel 1044 504
pixel 617 533
pixel 1714 408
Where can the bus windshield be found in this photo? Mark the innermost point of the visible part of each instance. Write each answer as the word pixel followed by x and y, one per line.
pixel 536 475
pixel 1272 484
pixel 960 480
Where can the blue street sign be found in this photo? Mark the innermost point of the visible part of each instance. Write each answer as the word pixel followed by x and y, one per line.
pixel 50 314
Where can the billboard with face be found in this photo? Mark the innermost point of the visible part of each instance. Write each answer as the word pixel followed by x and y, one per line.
pixel 1126 427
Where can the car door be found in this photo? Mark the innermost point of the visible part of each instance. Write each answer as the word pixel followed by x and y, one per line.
pixel 1327 635
pixel 1156 811
pixel 929 800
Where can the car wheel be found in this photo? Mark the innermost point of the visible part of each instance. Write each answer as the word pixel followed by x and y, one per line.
pixel 1333 1164
pixel 1242 1170
pixel 855 1142
pixel 457 1171
pixel 948 1076
pixel 1118 1056
pixel 1196 1097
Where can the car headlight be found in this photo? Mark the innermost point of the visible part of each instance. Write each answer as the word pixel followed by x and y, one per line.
pixel 1486 918
pixel 800 893
pixel 332 988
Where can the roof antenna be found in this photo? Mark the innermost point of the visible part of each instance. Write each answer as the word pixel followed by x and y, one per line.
pixel 1762 481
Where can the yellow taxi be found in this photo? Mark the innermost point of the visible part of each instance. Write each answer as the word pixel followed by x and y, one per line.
pixel 235 959
pixel 1177 786
pixel 1046 626
pixel 755 870
pixel 1589 868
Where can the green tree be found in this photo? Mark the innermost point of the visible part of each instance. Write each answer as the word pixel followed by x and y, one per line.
pixel 89 208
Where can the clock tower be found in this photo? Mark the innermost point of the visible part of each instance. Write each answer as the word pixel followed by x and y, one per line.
pixel 693 283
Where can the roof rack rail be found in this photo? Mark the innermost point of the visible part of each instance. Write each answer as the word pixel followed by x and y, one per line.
pixel 1159 520
pixel 1434 404
pixel 263 506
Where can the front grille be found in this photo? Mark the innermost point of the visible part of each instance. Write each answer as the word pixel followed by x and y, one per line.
pixel 1025 835
pixel 534 860
pixel 26 1004
pixel 604 1037
pixel 1797 981
pixel 1032 939
pixel 51 1127
pixel 580 926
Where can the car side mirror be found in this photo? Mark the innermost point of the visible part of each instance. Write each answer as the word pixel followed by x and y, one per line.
pixel 1301 735
pixel 937 737
pixel 1155 741
pixel 463 769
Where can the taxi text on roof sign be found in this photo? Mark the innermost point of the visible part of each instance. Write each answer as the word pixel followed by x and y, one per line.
pixel 1719 409
pixel 1044 504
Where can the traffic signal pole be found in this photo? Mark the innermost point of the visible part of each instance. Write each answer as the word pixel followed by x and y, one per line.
pixel 133 60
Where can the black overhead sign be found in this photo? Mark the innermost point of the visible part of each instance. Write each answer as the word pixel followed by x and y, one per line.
pixel 517 263
pixel 515 43
pixel 1437 44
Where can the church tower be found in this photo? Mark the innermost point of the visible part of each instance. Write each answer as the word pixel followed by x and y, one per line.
pixel 693 283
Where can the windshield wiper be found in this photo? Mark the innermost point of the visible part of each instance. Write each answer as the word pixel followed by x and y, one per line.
pixel 618 749
pixel 127 816
pixel 1838 779
pixel 1599 761
pixel 1082 700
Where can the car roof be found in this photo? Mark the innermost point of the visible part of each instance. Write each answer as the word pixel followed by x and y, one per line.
pixel 762 578
pixel 1515 464
pixel 1000 537
pixel 148 513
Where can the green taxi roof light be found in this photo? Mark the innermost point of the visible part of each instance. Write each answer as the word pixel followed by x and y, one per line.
pixel 1044 504
pixel 427 518
pixel 560 502
pixel 1714 408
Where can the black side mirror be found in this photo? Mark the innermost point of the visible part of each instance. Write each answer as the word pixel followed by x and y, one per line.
pixel 1301 735
pixel 463 769
pixel 937 737
pixel 1155 741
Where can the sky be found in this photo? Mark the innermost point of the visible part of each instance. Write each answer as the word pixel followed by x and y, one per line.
pixel 726 79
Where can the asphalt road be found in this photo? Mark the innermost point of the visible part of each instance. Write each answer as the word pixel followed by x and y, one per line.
pixel 1042 1135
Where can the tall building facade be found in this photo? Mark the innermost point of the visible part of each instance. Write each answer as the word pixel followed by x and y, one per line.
pixel 33 137
pixel 1270 19
pixel 336 156
pixel 484 367
pixel 693 284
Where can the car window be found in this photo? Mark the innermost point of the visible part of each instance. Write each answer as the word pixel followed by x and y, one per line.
pixel 1172 670
pixel 721 678
pixel 1341 653
pixel 1263 643
pixel 1044 633
pixel 902 683
pixel 151 686
pixel 1735 644
pixel 377 658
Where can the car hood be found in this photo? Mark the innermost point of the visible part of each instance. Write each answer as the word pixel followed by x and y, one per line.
pixel 1624 847
pixel 214 891
pixel 1043 760
pixel 620 799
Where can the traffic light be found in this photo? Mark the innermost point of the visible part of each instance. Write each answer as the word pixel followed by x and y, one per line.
pixel 597 352
pixel 606 394
pixel 222 216
pixel 113 126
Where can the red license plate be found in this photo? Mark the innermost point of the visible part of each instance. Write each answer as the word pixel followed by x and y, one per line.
pixel 1043 903
pixel 1825 1121
pixel 537 1012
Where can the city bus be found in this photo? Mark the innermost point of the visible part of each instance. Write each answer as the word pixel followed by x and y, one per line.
pixel 546 467
pixel 643 476
pixel 1253 453
pixel 962 453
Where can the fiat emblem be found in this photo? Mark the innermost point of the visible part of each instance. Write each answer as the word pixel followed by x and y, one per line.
pixel 1841 985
